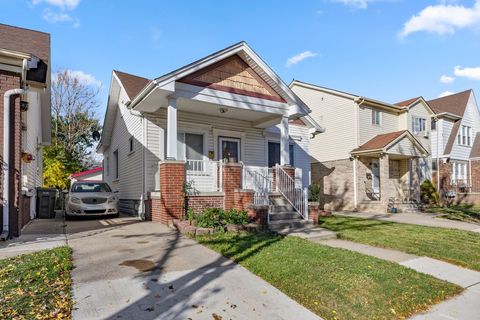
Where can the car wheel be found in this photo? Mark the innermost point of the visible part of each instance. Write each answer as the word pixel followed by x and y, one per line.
pixel 116 215
pixel 68 217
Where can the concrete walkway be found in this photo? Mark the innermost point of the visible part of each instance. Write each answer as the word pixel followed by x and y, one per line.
pixel 463 307
pixel 144 270
pixel 430 220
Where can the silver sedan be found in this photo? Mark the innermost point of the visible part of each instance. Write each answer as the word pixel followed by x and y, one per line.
pixel 91 198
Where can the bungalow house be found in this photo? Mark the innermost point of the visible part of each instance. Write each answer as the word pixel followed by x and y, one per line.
pixel 224 131
pixel 456 144
pixel 94 174
pixel 373 155
pixel 25 115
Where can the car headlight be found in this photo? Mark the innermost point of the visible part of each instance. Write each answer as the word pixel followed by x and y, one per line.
pixel 112 199
pixel 75 200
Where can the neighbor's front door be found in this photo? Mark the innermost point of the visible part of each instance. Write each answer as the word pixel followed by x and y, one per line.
pixel 229 149
pixel 376 176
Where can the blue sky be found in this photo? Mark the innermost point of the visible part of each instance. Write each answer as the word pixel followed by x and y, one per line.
pixel 390 50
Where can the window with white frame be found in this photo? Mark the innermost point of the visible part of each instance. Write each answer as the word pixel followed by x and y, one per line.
pixel 459 172
pixel 418 124
pixel 376 117
pixel 433 124
pixel 465 136
pixel 107 166
pixel 115 164
pixel 190 147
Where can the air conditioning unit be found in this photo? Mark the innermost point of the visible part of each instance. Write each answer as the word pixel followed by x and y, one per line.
pixel 426 134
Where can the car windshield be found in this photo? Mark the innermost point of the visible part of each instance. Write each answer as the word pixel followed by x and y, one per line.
pixel 91 187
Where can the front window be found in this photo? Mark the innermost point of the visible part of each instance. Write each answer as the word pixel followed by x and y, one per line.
pixel 91 187
pixel 418 124
pixel 229 149
pixel 376 117
pixel 465 136
pixel 274 154
pixel 190 148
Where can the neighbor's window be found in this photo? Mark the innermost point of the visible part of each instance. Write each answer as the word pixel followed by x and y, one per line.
pixel 130 144
pixel 465 136
pixel 115 163
pixel 418 124
pixel 376 117
pixel 107 166
pixel 434 165
pixel 433 124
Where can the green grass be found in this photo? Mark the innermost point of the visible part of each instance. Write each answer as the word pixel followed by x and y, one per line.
pixel 333 283
pixel 460 212
pixel 455 246
pixel 36 285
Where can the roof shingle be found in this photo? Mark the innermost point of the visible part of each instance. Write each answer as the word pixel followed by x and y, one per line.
pixel 406 102
pixel 132 84
pixel 475 153
pixel 380 141
pixel 454 103
pixel 25 41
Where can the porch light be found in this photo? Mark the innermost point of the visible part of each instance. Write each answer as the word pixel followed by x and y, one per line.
pixel 223 110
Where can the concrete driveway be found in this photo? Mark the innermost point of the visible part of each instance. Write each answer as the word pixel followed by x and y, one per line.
pixel 127 269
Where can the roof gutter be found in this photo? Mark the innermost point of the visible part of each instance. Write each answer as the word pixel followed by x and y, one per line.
pixel 140 96
pixel 377 103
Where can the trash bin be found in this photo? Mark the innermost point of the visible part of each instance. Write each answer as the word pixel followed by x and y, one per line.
pixel 46 198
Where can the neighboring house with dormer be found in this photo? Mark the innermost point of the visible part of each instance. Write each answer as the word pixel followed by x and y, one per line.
pixel 456 143
pixel 373 155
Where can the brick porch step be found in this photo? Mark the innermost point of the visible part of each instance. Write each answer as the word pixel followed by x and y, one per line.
pixel 284 215
pixel 287 224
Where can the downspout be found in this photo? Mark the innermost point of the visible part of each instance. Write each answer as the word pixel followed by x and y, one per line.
pixel 355 183
pixel 357 144
pixel 6 158
pixel 438 155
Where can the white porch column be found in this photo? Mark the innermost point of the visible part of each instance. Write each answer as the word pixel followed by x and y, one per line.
pixel 172 129
pixel 284 143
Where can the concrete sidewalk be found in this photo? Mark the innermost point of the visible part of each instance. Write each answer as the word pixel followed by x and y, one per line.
pixel 429 220
pixel 463 307
pixel 39 234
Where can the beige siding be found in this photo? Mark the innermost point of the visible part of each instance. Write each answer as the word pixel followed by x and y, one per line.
pixel 420 110
pixel 389 123
pixel 337 115
pixel 404 147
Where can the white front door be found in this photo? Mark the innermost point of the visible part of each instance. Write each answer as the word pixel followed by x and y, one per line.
pixel 376 176
pixel 229 149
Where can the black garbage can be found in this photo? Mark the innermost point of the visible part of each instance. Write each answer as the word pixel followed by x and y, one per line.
pixel 46 198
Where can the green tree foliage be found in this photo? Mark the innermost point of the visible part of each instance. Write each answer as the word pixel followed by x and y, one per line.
pixel 73 121
pixel 429 194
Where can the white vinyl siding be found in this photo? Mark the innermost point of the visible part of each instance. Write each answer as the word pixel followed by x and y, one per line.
pixel 376 117
pixel 471 119
pixel 340 136
pixel 129 182
pixel 389 123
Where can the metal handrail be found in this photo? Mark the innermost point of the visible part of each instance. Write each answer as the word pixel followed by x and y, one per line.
pixel 297 197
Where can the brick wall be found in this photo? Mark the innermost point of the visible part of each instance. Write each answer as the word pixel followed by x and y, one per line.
pixel 475 183
pixel 258 214
pixel 172 198
pixel 9 80
pixel 445 177
pixel 243 198
pixel 232 179
pixel 201 202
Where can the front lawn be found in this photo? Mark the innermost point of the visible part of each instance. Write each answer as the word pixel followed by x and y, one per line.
pixel 36 285
pixel 461 212
pixel 455 246
pixel 333 283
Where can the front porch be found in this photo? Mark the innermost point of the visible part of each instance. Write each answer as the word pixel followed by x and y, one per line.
pixel 388 171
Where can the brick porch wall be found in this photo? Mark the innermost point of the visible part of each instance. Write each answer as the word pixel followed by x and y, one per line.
pixel 475 174
pixel 232 180
pixel 242 198
pixel 10 80
pixel 172 199
pixel 201 202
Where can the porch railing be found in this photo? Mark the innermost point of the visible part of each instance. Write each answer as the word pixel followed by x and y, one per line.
pixel 260 180
pixel 203 176
pixel 297 197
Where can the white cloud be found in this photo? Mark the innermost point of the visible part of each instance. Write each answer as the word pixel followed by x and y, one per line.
pixel 84 78
pixel 445 93
pixel 442 19
pixel 54 17
pixel 469 73
pixel 446 79
pixel 62 4
pixel 300 57
pixel 359 4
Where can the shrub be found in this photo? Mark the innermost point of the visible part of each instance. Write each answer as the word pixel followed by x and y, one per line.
pixel 217 218
pixel 314 192
pixel 428 194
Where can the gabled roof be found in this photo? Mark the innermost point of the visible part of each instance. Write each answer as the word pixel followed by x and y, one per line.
pixel 131 83
pixel 475 153
pixel 382 142
pixel 84 173
pixel 452 137
pixel 406 103
pixel 454 103
pixel 25 41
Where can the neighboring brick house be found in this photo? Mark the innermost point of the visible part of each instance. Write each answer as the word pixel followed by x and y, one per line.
pixel 25 86
pixel 373 155
pixel 456 144
pixel 213 131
